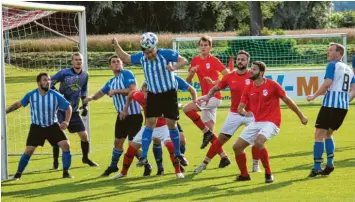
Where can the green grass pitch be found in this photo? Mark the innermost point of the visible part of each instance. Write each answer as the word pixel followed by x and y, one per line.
pixel 290 153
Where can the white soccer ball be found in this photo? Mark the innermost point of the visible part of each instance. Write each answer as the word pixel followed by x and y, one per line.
pixel 149 40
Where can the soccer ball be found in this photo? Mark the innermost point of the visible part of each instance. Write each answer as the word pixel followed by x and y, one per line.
pixel 149 40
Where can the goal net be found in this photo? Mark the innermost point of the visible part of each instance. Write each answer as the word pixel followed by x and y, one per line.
pixel 34 36
pixel 296 62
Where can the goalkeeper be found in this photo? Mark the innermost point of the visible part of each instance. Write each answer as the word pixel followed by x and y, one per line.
pixel 73 86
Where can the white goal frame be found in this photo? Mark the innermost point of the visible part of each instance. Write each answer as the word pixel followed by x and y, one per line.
pixel 83 50
pixel 176 40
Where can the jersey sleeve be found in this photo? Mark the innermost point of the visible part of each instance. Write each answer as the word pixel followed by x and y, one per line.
pixel 58 77
pixel 129 79
pixel 353 80
pixel 219 65
pixel 182 84
pixel 63 103
pixel 329 72
pixel 279 90
pixel 136 58
pixel 25 100
pixel 353 61
pixel 106 87
pixel 169 55
pixel 224 82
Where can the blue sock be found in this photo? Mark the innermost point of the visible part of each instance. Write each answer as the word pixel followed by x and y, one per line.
pixel 146 140
pixel 329 148
pixel 182 148
pixel 175 138
pixel 23 162
pixel 66 159
pixel 115 157
pixel 158 155
pixel 318 150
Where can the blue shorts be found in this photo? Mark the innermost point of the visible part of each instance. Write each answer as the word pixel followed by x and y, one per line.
pixel 75 125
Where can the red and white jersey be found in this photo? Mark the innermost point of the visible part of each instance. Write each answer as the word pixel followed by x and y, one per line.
pixel 236 83
pixel 139 97
pixel 208 67
pixel 264 101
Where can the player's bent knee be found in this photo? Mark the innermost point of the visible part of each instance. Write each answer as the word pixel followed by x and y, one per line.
pixel 136 146
pixel 83 136
pixel 64 145
pixel 30 150
pixel 119 143
pixel 156 141
pixel 223 138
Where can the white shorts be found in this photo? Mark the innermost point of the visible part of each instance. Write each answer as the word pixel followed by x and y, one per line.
pixel 267 129
pixel 161 133
pixel 209 111
pixel 233 122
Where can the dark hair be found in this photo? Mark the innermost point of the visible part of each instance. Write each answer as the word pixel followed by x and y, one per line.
pixel 113 56
pixel 339 48
pixel 261 65
pixel 244 53
pixel 206 38
pixel 39 76
pixel 76 54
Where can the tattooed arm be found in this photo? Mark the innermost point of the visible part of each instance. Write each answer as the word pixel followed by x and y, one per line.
pixel 13 107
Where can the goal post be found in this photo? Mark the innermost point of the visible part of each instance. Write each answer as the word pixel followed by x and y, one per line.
pixel 296 62
pixel 32 35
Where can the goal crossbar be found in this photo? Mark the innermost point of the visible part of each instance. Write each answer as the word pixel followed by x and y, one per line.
pixel 42 6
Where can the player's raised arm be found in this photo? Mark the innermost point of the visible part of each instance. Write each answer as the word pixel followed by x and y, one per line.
pixel 99 94
pixel 14 107
pixel 125 57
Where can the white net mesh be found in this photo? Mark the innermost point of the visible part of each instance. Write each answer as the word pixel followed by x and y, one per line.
pixel 34 43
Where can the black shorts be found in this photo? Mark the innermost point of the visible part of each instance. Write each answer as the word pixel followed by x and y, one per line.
pixel 76 124
pixel 179 127
pixel 330 118
pixel 130 126
pixel 38 135
pixel 163 104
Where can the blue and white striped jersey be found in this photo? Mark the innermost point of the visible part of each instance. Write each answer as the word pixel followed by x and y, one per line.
pixel 44 108
pixel 122 81
pixel 158 78
pixel 337 95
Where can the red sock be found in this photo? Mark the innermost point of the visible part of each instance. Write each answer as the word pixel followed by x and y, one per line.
pixel 195 117
pixel 255 153
pixel 128 158
pixel 241 160
pixel 264 157
pixel 215 148
pixel 170 147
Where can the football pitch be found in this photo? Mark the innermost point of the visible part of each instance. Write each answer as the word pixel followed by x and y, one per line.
pixel 291 158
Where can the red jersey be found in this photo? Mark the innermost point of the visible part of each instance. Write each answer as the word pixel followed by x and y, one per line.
pixel 139 97
pixel 208 67
pixel 264 101
pixel 236 83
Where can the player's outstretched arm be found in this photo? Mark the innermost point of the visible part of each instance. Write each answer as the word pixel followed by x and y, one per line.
pixel 292 105
pixel 99 94
pixel 210 94
pixel 14 107
pixel 193 93
pixel 125 57
pixel 181 62
pixel 322 89
pixel 129 98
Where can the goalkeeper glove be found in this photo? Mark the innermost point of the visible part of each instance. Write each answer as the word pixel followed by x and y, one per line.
pixel 85 110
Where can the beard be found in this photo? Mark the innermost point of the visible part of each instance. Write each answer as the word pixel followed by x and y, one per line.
pixel 241 67
pixel 45 88
pixel 254 76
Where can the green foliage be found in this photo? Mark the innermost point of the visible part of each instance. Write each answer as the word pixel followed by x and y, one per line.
pixel 342 19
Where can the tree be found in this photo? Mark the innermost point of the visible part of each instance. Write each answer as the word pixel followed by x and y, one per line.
pixel 255 17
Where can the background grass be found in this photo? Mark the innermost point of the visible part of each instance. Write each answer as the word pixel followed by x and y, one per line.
pixel 290 153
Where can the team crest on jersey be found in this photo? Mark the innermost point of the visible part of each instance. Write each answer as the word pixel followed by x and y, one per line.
pixel 247 82
pixel 265 92
pixel 208 65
